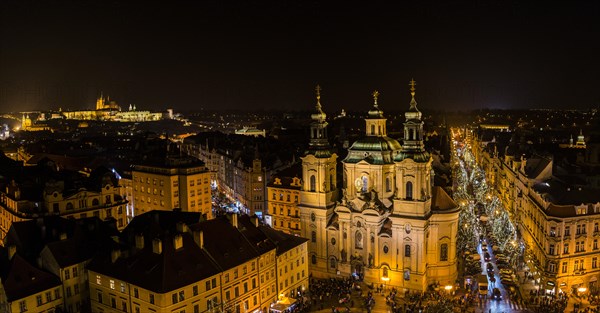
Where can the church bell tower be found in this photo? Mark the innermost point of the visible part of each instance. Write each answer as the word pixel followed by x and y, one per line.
pixel 319 187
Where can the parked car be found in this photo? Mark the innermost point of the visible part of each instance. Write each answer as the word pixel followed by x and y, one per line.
pixel 496 294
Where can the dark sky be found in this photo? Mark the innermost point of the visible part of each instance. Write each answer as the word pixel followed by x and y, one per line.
pixel 253 54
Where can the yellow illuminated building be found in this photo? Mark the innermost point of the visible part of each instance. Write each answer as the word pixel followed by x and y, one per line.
pixel 283 195
pixel 177 183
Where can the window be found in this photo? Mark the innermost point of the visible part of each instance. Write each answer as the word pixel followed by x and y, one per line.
pixel 236 292
pixel 182 295
pixel 596 227
pixel 314 259
pixel 99 296
pixel 551 250
pixel 332 263
pixel 113 303
pixel 564 267
pixel 207 285
pixel 313 183
pixel 174 298
pixel 124 305
pixel 409 190
pixel 67 274
pixel 444 252
pixel 576 267
pixel 407 250
pixel 151 298
pixel 594 262
pixel 75 272
pixel 68 291
pixel 76 289
pixel 98 280
pixel 235 274
pixel 566 248
pixel 567 231
pixel 23 306
pixel 195 290
pixel 358 242
pixel 136 293
pixel 595 244
pixel 38 299
pixel 112 284
pixel 388 187
pixel 314 236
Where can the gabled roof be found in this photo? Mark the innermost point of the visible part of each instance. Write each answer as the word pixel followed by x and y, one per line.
pixel 21 279
pixel 172 269
pixel 441 201
pixel 225 243
pixel 283 241
pixel 257 238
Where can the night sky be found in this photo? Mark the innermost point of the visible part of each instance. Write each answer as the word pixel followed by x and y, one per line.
pixel 192 55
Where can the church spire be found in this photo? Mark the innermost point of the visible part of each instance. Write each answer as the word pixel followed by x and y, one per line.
pixel 318 127
pixel 412 146
pixel 413 91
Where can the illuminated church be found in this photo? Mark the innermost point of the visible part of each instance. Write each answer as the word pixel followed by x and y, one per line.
pixel 392 225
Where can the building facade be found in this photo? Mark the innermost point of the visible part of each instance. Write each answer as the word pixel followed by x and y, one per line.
pixel 283 196
pixel 392 225
pixel 178 182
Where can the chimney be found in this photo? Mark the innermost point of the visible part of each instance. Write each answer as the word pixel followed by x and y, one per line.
pixel 157 246
pixel 139 241
pixel 12 249
pixel 114 255
pixel 234 220
pixel 63 236
pixel 199 239
pixel 182 227
pixel 254 220
pixel 178 241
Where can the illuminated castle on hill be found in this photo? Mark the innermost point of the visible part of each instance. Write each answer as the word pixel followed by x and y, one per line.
pixel 109 110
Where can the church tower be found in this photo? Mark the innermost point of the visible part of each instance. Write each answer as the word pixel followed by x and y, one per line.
pixel 414 173
pixel 319 187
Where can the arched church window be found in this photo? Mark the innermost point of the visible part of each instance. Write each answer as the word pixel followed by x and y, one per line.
pixel 314 259
pixel 331 182
pixel 358 242
pixel 332 263
pixel 313 183
pixel 365 182
pixel 444 252
pixel 388 186
pixel 409 190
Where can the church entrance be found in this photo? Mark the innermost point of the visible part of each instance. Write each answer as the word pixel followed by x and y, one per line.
pixel 358 268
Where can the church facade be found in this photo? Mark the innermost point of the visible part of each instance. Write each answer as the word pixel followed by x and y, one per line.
pixel 390 224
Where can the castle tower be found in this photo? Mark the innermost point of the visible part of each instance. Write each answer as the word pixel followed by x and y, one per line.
pixel 100 102
pixel 319 187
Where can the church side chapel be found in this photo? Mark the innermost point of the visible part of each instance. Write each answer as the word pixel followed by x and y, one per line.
pixel 390 224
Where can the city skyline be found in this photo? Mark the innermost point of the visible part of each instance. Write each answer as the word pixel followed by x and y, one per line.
pixel 240 55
